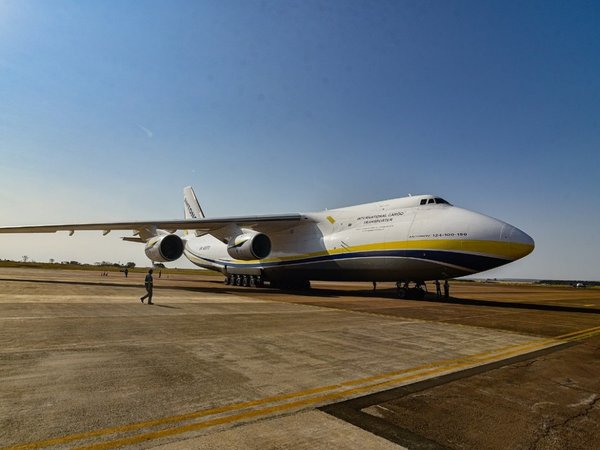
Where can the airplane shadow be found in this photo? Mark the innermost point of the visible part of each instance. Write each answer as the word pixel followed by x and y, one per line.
pixel 518 305
pixel 384 294
pixel 390 294
pixel 267 292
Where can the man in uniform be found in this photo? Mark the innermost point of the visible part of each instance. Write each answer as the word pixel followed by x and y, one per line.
pixel 148 283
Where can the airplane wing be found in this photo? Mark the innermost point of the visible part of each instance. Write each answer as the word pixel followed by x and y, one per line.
pixel 264 224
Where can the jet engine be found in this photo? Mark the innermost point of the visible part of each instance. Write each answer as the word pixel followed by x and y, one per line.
pixel 165 248
pixel 249 246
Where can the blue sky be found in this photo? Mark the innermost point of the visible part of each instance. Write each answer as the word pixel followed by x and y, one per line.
pixel 109 108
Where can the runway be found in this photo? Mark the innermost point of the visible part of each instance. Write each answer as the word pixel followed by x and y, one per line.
pixel 86 365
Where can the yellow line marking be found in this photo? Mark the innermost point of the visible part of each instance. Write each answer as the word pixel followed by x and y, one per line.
pixel 580 332
pixel 418 372
pixel 287 406
pixel 245 415
pixel 584 336
pixel 429 369
pixel 242 405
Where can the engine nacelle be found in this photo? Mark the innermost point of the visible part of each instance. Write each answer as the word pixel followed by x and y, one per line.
pixel 249 246
pixel 168 247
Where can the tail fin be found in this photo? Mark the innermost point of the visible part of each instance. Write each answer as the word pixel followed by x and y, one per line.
pixel 191 207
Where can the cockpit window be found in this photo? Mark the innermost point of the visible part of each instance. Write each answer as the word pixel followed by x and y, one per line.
pixel 436 200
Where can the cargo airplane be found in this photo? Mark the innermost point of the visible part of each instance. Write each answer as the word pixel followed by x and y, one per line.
pixel 407 240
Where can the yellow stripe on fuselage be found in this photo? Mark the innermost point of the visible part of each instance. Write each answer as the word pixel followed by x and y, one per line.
pixel 496 249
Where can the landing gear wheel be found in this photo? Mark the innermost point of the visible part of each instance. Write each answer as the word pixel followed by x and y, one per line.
pixel 304 285
pixel 227 280
pixel 238 280
pixel 401 289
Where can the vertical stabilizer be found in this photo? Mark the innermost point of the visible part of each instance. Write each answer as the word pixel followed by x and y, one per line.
pixel 191 207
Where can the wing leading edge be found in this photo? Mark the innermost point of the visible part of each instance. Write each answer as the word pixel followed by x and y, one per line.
pixel 258 223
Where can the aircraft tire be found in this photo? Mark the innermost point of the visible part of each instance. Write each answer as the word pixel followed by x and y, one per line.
pixel 227 280
pixel 304 285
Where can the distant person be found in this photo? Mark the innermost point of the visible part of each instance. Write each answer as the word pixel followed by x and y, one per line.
pixel 438 289
pixel 374 286
pixel 159 273
pixel 126 272
pixel 148 284
pixel 419 287
pixel 446 289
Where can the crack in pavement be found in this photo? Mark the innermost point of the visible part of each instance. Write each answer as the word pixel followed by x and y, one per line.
pixel 548 430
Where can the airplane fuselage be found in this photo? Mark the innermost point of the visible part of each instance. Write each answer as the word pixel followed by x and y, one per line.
pixel 416 238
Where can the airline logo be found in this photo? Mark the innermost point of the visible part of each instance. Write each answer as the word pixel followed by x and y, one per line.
pixel 189 209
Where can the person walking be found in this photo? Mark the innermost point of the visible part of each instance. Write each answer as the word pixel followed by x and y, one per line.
pixel 148 283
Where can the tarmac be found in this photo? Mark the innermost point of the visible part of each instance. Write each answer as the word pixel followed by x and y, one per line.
pixel 84 364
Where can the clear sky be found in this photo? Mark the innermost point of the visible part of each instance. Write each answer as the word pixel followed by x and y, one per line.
pixel 109 108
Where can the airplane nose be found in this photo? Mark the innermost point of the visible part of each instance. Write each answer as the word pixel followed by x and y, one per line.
pixel 521 244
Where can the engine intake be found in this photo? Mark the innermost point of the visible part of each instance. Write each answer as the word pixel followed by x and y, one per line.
pixel 249 246
pixel 166 248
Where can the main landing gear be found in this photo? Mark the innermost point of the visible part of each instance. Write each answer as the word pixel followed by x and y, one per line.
pixel 258 281
pixel 244 280
pixel 403 290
